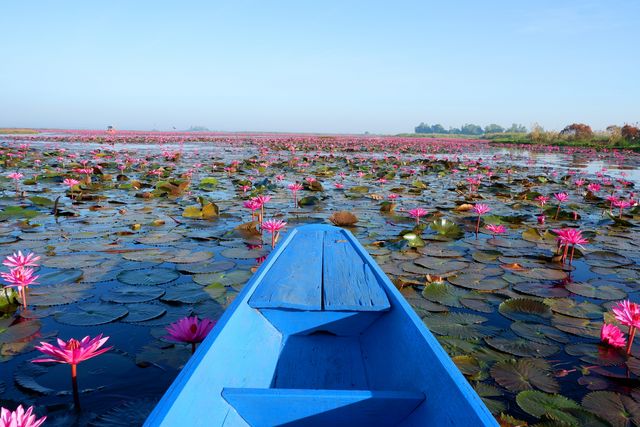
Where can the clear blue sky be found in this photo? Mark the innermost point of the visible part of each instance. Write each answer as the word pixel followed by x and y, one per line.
pixel 328 66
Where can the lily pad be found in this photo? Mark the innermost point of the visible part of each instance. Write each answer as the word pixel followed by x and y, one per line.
pixel 89 314
pixel 478 281
pixel 521 347
pixel 133 294
pixel 525 309
pixel 188 293
pixel 143 312
pixel 553 406
pixel 618 409
pixel 459 325
pixel 155 276
pixel 525 374
pixel 57 294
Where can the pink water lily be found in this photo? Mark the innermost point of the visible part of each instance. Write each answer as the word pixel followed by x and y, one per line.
pixel 612 335
pixel 418 213
pixel 73 352
pixel 480 209
pixel 496 229
pixel 20 418
pixel 21 260
pixel 561 198
pixel 628 313
pixel 20 278
pixel 569 237
pixel 16 177
pixel 273 226
pixel 295 187
pixel 190 330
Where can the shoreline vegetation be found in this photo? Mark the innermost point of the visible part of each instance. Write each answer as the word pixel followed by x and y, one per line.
pixel 613 138
pixel 14 131
pixel 625 137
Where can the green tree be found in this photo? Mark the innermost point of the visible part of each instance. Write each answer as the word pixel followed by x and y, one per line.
pixel 493 128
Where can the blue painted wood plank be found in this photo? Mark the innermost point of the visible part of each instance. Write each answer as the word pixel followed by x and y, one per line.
pixel 322 408
pixel 321 361
pixel 341 323
pixel 348 282
pixel 400 336
pixel 294 280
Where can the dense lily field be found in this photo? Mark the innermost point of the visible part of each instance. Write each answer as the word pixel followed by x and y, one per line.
pixel 514 257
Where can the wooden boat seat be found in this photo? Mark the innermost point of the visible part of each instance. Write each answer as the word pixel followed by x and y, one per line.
pixel 321 274
pixel 321 408
pixel 320 271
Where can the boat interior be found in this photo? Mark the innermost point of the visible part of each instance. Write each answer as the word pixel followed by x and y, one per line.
pixel 321 337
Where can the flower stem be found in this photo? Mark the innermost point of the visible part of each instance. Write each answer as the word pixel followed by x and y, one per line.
pixel 74 383
pixel 193 347
pixel 477 227
pixel 632 334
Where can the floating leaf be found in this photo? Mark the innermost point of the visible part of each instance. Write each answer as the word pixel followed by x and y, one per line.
pixel 134 412
pixel 460 325
pixel 90 314
pixel 19 331
pixel 188 293
pixel 57 294
pixel 553 406
pixel 443 293
pixel 539 333
pixel 143 312
pixel 225 278
pixel 155 276
pixel 606 292
pixel 525 374
pixel 478 281
pixel 525 309
pixel 616 408
pixel 522 347
pixel 133 294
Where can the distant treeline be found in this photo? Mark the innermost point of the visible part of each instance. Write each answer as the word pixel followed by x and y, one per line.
pixel 469 129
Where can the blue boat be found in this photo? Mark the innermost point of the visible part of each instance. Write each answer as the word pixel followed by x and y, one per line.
pixel 320 337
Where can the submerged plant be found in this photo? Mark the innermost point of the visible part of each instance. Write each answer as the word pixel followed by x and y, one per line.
pixel 73 352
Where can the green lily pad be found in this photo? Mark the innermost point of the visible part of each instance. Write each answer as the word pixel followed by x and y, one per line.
pixel 244 252
pixel 606 292
pixel 89 314
pixel 443 293
pixel 521 347
pixel 18 331
pixel 225 278
pixel 459 325
pixel 187 293
pixel 57 294
pixel 143 312
pixel 618 409
pixel 525 374
pixel 478 281
pixel 553 406
pixel 155 276
pixel 525 309
pixel 538 332
pixel 127 294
